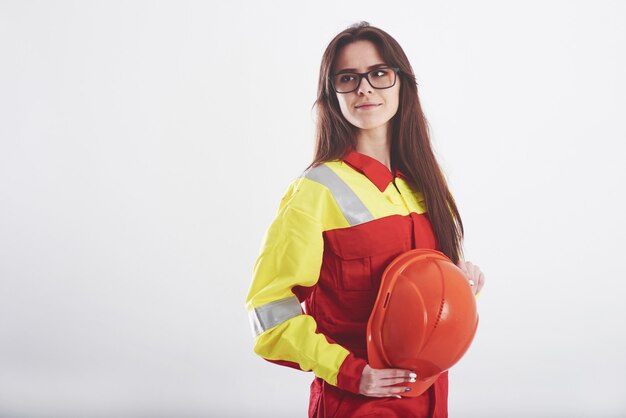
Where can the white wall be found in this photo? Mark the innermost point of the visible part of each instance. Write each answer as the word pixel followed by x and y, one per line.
pixel 144 147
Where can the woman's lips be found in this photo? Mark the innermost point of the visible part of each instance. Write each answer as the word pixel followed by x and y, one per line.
pixel 368 106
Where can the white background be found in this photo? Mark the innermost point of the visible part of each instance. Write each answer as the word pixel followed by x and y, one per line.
pixel 144 148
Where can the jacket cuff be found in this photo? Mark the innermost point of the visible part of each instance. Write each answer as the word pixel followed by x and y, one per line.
pixel 349 376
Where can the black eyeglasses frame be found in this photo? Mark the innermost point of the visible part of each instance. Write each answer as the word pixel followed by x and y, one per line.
pixel 366 76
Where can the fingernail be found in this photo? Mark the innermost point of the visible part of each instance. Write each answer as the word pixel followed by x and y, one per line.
pixel 398 396
pixel 407 389
pixel 412 375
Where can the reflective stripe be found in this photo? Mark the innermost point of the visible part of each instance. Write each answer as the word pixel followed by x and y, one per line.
pixel 274 313
pixel 351 206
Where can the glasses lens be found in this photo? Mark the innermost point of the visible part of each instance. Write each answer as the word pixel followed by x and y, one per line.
pixel 380 78
pixel 345 82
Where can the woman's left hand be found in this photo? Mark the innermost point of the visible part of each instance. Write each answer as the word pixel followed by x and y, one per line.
pixel 473 273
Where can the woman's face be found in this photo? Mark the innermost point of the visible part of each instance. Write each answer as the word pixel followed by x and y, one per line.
pixel 359 57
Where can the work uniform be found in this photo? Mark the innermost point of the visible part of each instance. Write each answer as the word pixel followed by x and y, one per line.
pixel 338 226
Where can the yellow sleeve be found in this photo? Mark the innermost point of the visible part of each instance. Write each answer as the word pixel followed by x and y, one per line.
pixel 291 255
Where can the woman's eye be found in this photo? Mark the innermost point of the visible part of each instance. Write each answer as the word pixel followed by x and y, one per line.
pixel 346 78
pixel 380 73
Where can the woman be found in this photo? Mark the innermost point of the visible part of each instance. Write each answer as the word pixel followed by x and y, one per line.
pixel 361 203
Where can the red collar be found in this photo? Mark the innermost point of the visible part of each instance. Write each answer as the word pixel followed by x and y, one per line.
pixel 373 169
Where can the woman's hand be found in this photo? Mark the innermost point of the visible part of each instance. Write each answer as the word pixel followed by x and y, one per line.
pixel 379 382
pixel 473 273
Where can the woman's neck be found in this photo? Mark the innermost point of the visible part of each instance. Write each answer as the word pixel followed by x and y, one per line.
pixel 375 146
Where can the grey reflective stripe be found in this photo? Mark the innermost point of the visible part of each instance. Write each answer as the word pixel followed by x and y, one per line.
pixel 351 206
pixel 274 313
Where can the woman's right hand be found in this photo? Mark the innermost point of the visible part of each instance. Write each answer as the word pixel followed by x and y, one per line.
pixel 379 382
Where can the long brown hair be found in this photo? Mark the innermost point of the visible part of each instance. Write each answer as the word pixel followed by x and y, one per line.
pixel 411 151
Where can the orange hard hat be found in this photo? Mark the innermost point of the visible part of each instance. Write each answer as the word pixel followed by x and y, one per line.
pixel 424 318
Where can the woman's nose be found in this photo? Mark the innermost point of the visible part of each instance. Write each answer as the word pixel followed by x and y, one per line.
pixel 364 85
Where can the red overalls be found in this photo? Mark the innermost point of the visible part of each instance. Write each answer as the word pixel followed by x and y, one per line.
pixel 380 217
pixel 353 263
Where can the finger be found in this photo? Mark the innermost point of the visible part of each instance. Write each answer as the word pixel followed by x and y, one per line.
pixel 392 391
pixel 471 282
pixel 477 272
pixel 475 275
pixel 403 375
pixel 473 270
pixel 470 279
pixel 400 389
pixel 481 282
pixel 392 373
pixel 395 381
pixel 381 395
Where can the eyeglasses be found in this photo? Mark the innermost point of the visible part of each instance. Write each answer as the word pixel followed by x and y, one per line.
pixel 379 78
